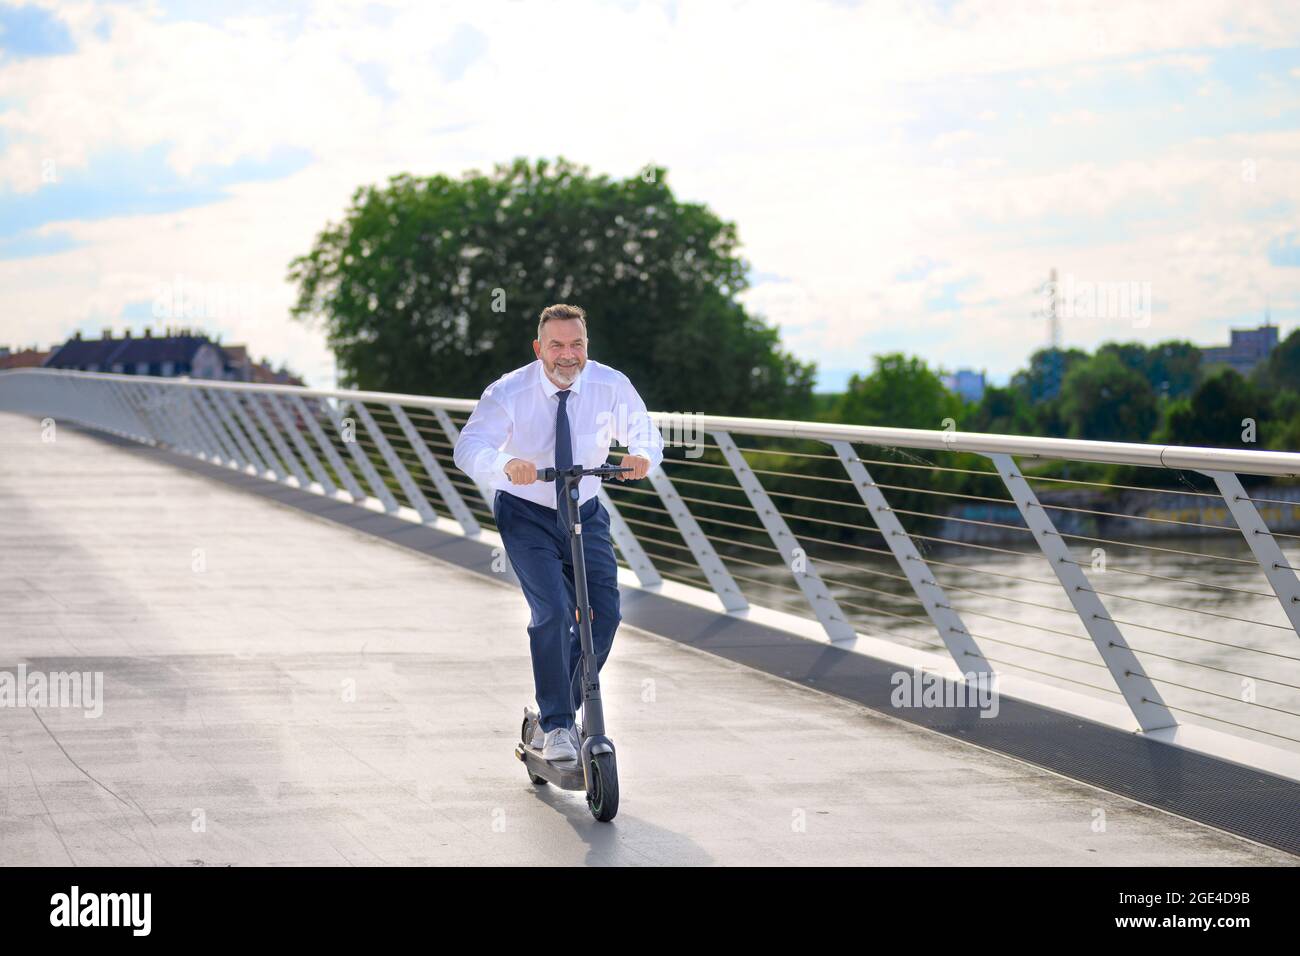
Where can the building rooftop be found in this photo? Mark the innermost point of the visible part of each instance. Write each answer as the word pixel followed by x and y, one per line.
pixel 128 349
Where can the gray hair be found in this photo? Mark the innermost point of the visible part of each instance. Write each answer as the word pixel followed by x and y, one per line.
pixel 561 311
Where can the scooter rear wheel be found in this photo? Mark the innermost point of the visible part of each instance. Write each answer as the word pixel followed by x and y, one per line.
pixel 602 798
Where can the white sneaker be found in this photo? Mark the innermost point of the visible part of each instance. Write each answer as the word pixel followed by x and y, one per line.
pixel 538 740
pixel 559 745
pixel 576 733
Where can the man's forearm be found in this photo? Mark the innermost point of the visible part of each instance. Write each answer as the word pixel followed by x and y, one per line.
pixel 480 461
pixel 478 449
pixel 645 441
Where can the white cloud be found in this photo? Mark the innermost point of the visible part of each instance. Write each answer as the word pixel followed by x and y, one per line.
pixel 1076 118
pixel 795 127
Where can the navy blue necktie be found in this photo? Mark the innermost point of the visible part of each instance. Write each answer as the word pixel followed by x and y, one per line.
pixel 563 455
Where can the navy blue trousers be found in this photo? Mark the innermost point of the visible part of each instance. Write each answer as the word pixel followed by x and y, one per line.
pixel 543 561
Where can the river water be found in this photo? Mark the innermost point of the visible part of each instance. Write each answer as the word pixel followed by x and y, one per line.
pixel 1226 657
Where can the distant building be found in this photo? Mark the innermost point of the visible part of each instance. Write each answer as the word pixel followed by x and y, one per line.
pixel 1248 348
pixel 239 367
pixel 967 383
pixel 186 352
pixel 27 358
pixel 263 374
pixel 167 356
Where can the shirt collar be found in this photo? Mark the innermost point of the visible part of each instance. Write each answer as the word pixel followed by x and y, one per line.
pixel 549 388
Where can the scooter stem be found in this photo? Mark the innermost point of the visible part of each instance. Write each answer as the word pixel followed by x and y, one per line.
pixel 592 708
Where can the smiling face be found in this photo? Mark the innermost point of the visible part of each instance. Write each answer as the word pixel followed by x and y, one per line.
pixel 562 349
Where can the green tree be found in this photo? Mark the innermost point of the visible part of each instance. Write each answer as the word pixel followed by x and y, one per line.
pixel 1215 414
pixel 1003 411
pixel 1040 385
pixel 1047 369
pixel 1281 370
pixel 1103 399
pixel 433 285
pixel 1171 367
pixel 900 392
pixel 1282 430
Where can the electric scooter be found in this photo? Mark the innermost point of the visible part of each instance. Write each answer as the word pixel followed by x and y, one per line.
pixel 595 770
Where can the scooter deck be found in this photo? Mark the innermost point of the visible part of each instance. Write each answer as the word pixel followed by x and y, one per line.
pixel 566 775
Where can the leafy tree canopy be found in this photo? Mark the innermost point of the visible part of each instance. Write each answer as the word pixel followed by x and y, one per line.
pixel 1105 400
pixel 1281 370
pixel 433 286
pixel 900 392
pixel 1171 367
pixel 1214 414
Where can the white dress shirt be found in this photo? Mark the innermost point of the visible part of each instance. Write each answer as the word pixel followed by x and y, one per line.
pixel 515 418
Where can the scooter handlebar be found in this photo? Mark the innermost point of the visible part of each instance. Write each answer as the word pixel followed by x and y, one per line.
pixel 602 471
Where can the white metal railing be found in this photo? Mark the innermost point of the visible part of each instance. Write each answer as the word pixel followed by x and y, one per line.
pixel 797 517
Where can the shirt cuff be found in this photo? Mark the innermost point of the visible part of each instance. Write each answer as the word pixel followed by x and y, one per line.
pixel 646 453
pixel 498 466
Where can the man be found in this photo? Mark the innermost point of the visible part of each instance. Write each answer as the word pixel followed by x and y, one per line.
pixel 558 411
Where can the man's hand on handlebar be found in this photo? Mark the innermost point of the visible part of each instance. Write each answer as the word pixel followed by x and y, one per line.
pixel 521 472
pixel 640 467
pixel 631 468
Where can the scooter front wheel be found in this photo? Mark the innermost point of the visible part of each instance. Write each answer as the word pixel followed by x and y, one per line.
pixel 602 797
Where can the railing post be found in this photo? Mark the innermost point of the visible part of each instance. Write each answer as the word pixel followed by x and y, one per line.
pixel 647 574
pixel 212 446
pixel 228 412
pixel 952 629
pixel 828 611
pixel 281 448
pixel 363 461
pixel 395 465
pixel 300 443
pixel 128 418
pixel 106 401
pixel 331 453
pixel 194 442
pixel 176 428
pixel 101 401
pixel 158 424
pixel 719 578
pixel 1142 697
pixel 1281 576
pixel 147 432
pixel 263 449
pixel 210 410
pixel 455 504
pixel 56 405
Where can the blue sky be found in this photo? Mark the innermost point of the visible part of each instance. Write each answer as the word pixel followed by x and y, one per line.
pixel 903 176
pixel 32 31
pixel 122 183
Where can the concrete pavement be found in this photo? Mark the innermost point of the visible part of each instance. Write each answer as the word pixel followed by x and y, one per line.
pixel 282 690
